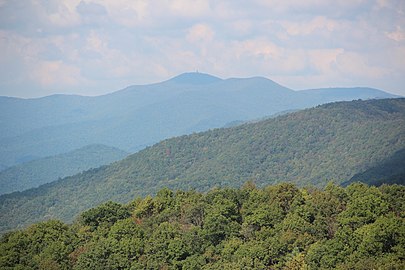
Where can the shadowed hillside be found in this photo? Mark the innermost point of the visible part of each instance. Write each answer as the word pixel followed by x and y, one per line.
pixel 391 170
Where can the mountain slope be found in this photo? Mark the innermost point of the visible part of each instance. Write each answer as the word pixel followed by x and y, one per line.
pixel 391 170
pixel 331 142
pixel 41 171
pixel 2 167
pixel 138 116
pixel 337 93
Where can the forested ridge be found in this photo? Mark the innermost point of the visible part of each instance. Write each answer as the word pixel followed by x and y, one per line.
pixel 275 227
pixel 332 142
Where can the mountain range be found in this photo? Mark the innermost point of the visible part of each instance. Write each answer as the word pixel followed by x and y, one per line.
pixel 138 116
pixel 332 142
pixel 44 170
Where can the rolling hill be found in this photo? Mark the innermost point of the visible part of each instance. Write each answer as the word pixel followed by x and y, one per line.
pixel 332 142
pixel 41 171
pixel 138 116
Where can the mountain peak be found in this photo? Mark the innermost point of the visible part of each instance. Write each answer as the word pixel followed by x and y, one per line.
pixel 195 78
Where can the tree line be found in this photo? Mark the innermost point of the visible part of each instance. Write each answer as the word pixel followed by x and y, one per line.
pixel 274 227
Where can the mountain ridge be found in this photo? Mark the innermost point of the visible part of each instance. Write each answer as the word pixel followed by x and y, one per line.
pixel 310 147
pixel 41 171
pixel 194 78
pixel 142 115
pixel 197 76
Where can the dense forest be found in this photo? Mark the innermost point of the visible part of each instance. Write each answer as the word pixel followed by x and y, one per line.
pixel 275 227
pixel 331 142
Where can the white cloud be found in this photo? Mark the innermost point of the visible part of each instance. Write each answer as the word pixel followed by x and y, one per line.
pixel 324 60
pixel 95 43
pixel 128 13
pixel 65 15
pixel 260 48
pixel 398 35
pixel 54 73
pixel 188 8
pixel 200 33
pixel 102 45
pixel 382 3
pixel 312 7
pixel 356 65
pixel 241 27
pixel 307 28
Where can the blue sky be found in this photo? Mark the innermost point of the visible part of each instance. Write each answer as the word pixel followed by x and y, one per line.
pixel 100 46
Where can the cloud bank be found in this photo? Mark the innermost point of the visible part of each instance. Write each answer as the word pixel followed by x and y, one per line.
pixel 99 46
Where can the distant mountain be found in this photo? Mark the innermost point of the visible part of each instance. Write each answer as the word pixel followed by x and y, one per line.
pixel 41 171
pixel 332 142
pixel 239 122
pixel 2 167
pixel 138 116
pixel 345 93
pixel 389 171
pixel 195 78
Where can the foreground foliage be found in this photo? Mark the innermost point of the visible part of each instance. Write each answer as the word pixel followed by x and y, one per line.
pixel 277 227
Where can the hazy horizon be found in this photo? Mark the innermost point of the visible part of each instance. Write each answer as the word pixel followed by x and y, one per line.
pixel 96 47
pixel 195 72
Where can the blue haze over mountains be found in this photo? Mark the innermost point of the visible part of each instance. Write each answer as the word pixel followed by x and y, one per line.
pixel 44 170
pixel 141 115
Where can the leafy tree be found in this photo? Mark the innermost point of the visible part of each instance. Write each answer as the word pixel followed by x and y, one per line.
pixel 276 227
pixel 42 245
pixel 364 206
pixel 104 215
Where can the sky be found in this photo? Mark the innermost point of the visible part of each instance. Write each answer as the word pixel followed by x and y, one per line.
pixel 99 46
